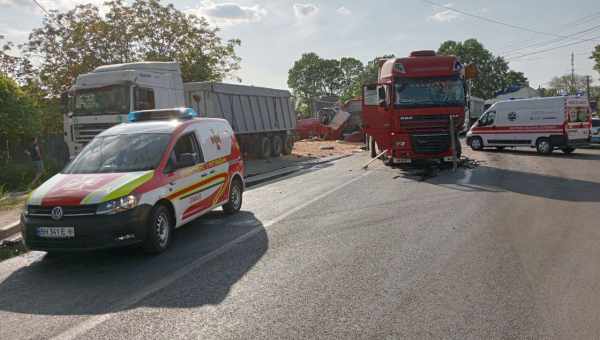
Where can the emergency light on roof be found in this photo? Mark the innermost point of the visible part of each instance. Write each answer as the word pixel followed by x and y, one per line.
pixel 181 113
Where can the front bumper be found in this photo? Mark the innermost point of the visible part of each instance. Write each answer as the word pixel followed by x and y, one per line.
pixel 91 232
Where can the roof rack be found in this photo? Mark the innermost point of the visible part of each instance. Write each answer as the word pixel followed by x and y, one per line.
pixel 180 113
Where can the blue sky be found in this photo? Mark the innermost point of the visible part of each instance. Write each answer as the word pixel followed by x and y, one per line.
pixel 275 33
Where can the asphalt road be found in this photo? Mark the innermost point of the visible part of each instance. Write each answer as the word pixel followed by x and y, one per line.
pixel 505 250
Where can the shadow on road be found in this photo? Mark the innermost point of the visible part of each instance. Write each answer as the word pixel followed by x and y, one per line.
pixel 578 154
pixel 93 283
pixel 490 179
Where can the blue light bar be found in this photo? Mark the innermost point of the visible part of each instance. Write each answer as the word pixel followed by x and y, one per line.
pixel 181 113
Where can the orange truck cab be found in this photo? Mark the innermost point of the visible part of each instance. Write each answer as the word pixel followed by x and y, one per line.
pixel 407 114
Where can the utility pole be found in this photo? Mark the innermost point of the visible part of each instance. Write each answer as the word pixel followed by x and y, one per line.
pixel 573 87
pixel 587 89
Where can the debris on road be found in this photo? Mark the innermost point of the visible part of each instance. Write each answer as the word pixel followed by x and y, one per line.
pixel 10 249
pixel 321 149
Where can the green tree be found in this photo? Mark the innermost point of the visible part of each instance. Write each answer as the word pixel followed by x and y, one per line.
pixel 494 73
pixel 19 115
pixel 18 68
pixel 565 83
pixel 596 57
pixel 74 42
pixel 312 77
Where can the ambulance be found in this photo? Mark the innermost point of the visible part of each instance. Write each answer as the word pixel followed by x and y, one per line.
pixel 543 123
pixel 136 182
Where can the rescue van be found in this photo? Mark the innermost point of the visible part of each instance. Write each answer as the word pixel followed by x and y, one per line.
pixel 543 123
pixel 136 182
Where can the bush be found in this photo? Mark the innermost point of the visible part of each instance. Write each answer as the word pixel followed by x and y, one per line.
pixel 16 176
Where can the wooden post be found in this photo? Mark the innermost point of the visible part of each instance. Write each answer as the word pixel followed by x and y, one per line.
pixel 453 144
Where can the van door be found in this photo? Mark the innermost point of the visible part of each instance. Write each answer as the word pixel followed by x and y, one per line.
pixel 185 171
pixel 485 127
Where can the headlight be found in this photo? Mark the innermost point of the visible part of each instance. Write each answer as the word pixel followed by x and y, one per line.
pixel 116 206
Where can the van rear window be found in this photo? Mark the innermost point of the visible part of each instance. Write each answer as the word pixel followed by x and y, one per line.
pixel 595 122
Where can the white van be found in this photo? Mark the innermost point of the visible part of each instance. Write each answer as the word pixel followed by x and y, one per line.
pixel 543 123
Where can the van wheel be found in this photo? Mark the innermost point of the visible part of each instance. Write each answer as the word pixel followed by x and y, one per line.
pixel 234 204
pixel 277 147
pixel 543 146
pixel 288 145
pixel 160 230
pixel 264 150
pixel 568 151
pixel 476 143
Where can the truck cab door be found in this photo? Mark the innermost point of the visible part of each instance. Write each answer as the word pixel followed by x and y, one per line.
pixel 375 115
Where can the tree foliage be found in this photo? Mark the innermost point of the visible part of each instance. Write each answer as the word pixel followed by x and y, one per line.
pixel 565 85
pixel 596 57
pixel 19 114
pixel 75 42
pixel 494 73
pixel 312 77
pixel 18 68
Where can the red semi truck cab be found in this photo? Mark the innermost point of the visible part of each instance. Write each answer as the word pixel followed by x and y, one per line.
pixel 407 113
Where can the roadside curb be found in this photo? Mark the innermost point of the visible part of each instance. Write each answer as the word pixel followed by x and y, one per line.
pixel 256 179
pixel 11 230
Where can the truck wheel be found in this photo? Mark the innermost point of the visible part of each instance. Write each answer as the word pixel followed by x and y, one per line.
pixel 476 143
pixel 264 150
pixel 288 145
pixel 568 150
pixel 543 146
pixel 234 204
pixel 160 230
pixel 277 146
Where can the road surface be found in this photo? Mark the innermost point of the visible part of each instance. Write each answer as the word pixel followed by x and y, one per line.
pixel 504 250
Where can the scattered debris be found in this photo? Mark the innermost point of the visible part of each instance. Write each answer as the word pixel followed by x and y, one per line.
pixel 10 249
pixel 327 147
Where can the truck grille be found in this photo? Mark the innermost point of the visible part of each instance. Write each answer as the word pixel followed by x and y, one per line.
pixel 430 143
pixel 84 133
pixel 424 121
pixel 81 210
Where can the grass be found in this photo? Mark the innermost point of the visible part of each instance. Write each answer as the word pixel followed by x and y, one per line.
pixel 11 202
pixel 11 249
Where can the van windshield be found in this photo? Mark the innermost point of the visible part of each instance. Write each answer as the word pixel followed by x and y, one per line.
pixel 120 153
pixel 579 114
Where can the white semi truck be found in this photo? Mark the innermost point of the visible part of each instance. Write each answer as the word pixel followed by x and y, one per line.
pixel 263 119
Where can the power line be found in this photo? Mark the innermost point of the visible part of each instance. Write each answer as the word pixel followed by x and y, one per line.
pixel 41 7
pixel 549 42
pixel 493 20
pixel 573 23
pixel 553 48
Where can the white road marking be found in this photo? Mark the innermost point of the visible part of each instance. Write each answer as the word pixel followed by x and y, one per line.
pixel 94 321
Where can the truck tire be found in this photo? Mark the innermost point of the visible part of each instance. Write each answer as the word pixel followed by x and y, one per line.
pixel 288 145
pixel 543 146
pixel 277 146
pixel 264 148
pixel 160 230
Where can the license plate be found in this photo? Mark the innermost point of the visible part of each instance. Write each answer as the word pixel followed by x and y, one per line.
pixel 56 232
pixel 402 160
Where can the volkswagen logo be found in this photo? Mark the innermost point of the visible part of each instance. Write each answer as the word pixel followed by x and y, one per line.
pixel 57 213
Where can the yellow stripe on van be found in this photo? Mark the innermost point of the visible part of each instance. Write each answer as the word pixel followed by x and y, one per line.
pixel 129 187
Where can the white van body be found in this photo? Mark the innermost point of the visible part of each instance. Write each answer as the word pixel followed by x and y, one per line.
pixel 555 122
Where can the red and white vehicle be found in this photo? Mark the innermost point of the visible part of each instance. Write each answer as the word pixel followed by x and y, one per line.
pixel 543 123
pixel 136 182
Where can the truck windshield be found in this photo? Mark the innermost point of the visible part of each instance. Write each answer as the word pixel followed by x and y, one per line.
pixel 429 92
pixel 103 100
pixel 120 153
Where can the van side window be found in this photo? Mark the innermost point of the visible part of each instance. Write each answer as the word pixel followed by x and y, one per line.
pixel 488 118
pixel 143 99
pixel 185 149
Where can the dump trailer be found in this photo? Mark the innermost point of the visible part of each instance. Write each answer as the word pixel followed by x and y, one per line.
pixel 263 119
